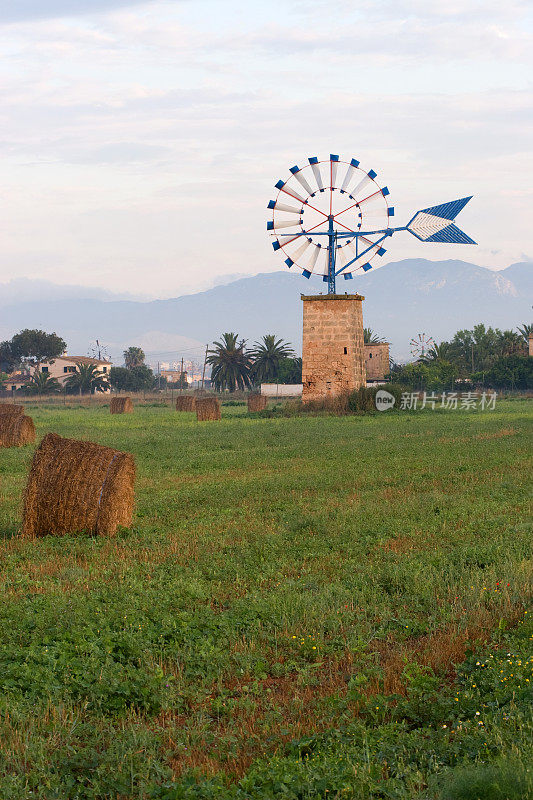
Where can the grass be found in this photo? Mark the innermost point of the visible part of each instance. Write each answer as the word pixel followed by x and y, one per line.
pixel 296 609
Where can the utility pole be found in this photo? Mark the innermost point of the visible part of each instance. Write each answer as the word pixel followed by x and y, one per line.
pixel 181 376
pixel 472 356
pixel 158 376
pixel 205 362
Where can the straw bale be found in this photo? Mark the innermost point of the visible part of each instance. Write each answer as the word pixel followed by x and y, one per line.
pixel 207 408
pixel 185 402
pixel 121 405
pixel 16 430
pixel 78 486
pixel 11 408
pixel 257 402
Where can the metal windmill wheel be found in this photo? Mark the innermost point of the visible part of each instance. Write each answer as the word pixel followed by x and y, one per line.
pixel 420 344
pixel 332 218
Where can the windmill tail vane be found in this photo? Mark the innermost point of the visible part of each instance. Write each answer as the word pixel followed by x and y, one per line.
pixel 436 224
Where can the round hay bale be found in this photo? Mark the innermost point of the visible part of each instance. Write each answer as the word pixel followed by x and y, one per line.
pixel 11 408
pixel 78 486
pixel 121 405
pixel 185 402
pixel 257 402
pixel 207 408
pixel 16 430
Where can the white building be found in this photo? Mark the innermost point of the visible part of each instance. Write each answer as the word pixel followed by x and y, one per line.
pixel 63 366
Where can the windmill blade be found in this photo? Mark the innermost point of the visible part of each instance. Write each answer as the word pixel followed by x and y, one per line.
pixel 296 171
pixel 374 198
pixel 285 207
pixel 314 257
pixel 290 191
pixel 350 172
pixel 435 224
pixel 286 223
pixel 334 160
pixel 365 181
pixel 301 250
pixel 313 160
pixel 341 256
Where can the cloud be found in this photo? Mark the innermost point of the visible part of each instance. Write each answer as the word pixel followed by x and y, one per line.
pixel 128 135
pixel 121 153
pixel 22 10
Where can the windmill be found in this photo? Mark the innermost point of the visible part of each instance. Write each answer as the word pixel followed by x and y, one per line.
pixel 332 218
pixel 99 351
pixel 420 344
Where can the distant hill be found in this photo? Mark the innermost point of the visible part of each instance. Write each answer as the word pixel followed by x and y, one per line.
pixel 402 299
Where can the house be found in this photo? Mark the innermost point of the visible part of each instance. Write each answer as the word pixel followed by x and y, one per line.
pixel 173 375
pixel 377 361
pixel 15 381
pixel 63 366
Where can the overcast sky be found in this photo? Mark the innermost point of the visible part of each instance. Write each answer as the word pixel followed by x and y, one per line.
pixel 141 141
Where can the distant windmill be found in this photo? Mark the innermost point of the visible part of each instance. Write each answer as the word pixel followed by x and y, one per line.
pixel 99 351
pixel 420 344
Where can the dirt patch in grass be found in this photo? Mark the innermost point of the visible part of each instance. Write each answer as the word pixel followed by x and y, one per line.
pixel 286 708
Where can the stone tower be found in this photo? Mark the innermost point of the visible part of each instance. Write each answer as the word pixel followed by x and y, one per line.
pixel 333 353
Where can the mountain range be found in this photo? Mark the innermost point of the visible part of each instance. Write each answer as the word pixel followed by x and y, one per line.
pixel 402 299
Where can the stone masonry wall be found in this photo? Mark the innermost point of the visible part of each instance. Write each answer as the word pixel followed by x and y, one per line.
pixel 377 361
pixel 333 352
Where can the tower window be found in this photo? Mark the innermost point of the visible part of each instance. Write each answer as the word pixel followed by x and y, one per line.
pixel 345 351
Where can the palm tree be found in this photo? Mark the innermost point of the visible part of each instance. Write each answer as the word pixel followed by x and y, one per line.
pixel 87 379
pixel 525 330
pixel 133 357
pixel 267 356
pixel 371 337
pixel 439 352
pixel 511 343
pixel 230 363
pixel 42 383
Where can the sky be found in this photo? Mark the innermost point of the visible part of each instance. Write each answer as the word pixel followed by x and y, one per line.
pixel 140 141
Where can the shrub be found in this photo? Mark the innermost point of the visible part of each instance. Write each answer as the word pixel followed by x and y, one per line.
pixel 364 399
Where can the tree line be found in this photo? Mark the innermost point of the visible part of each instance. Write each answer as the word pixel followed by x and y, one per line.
pixel 481 356
pixel 233 366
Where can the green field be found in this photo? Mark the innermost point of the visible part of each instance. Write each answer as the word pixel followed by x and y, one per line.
pixel 320 607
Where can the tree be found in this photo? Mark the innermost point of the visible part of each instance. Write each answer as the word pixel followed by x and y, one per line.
pixel 371 337
pixel 86 380
pixel 142 378
pixel 42 383
pixel 31 347
pixel 509 372
pixel 290 370
pixel 439 352
pixel 524 330
pixel 230 363
pixel 120 378
pixel 267 356
pixel 136 379
pixel 8 362
pixel 133 357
